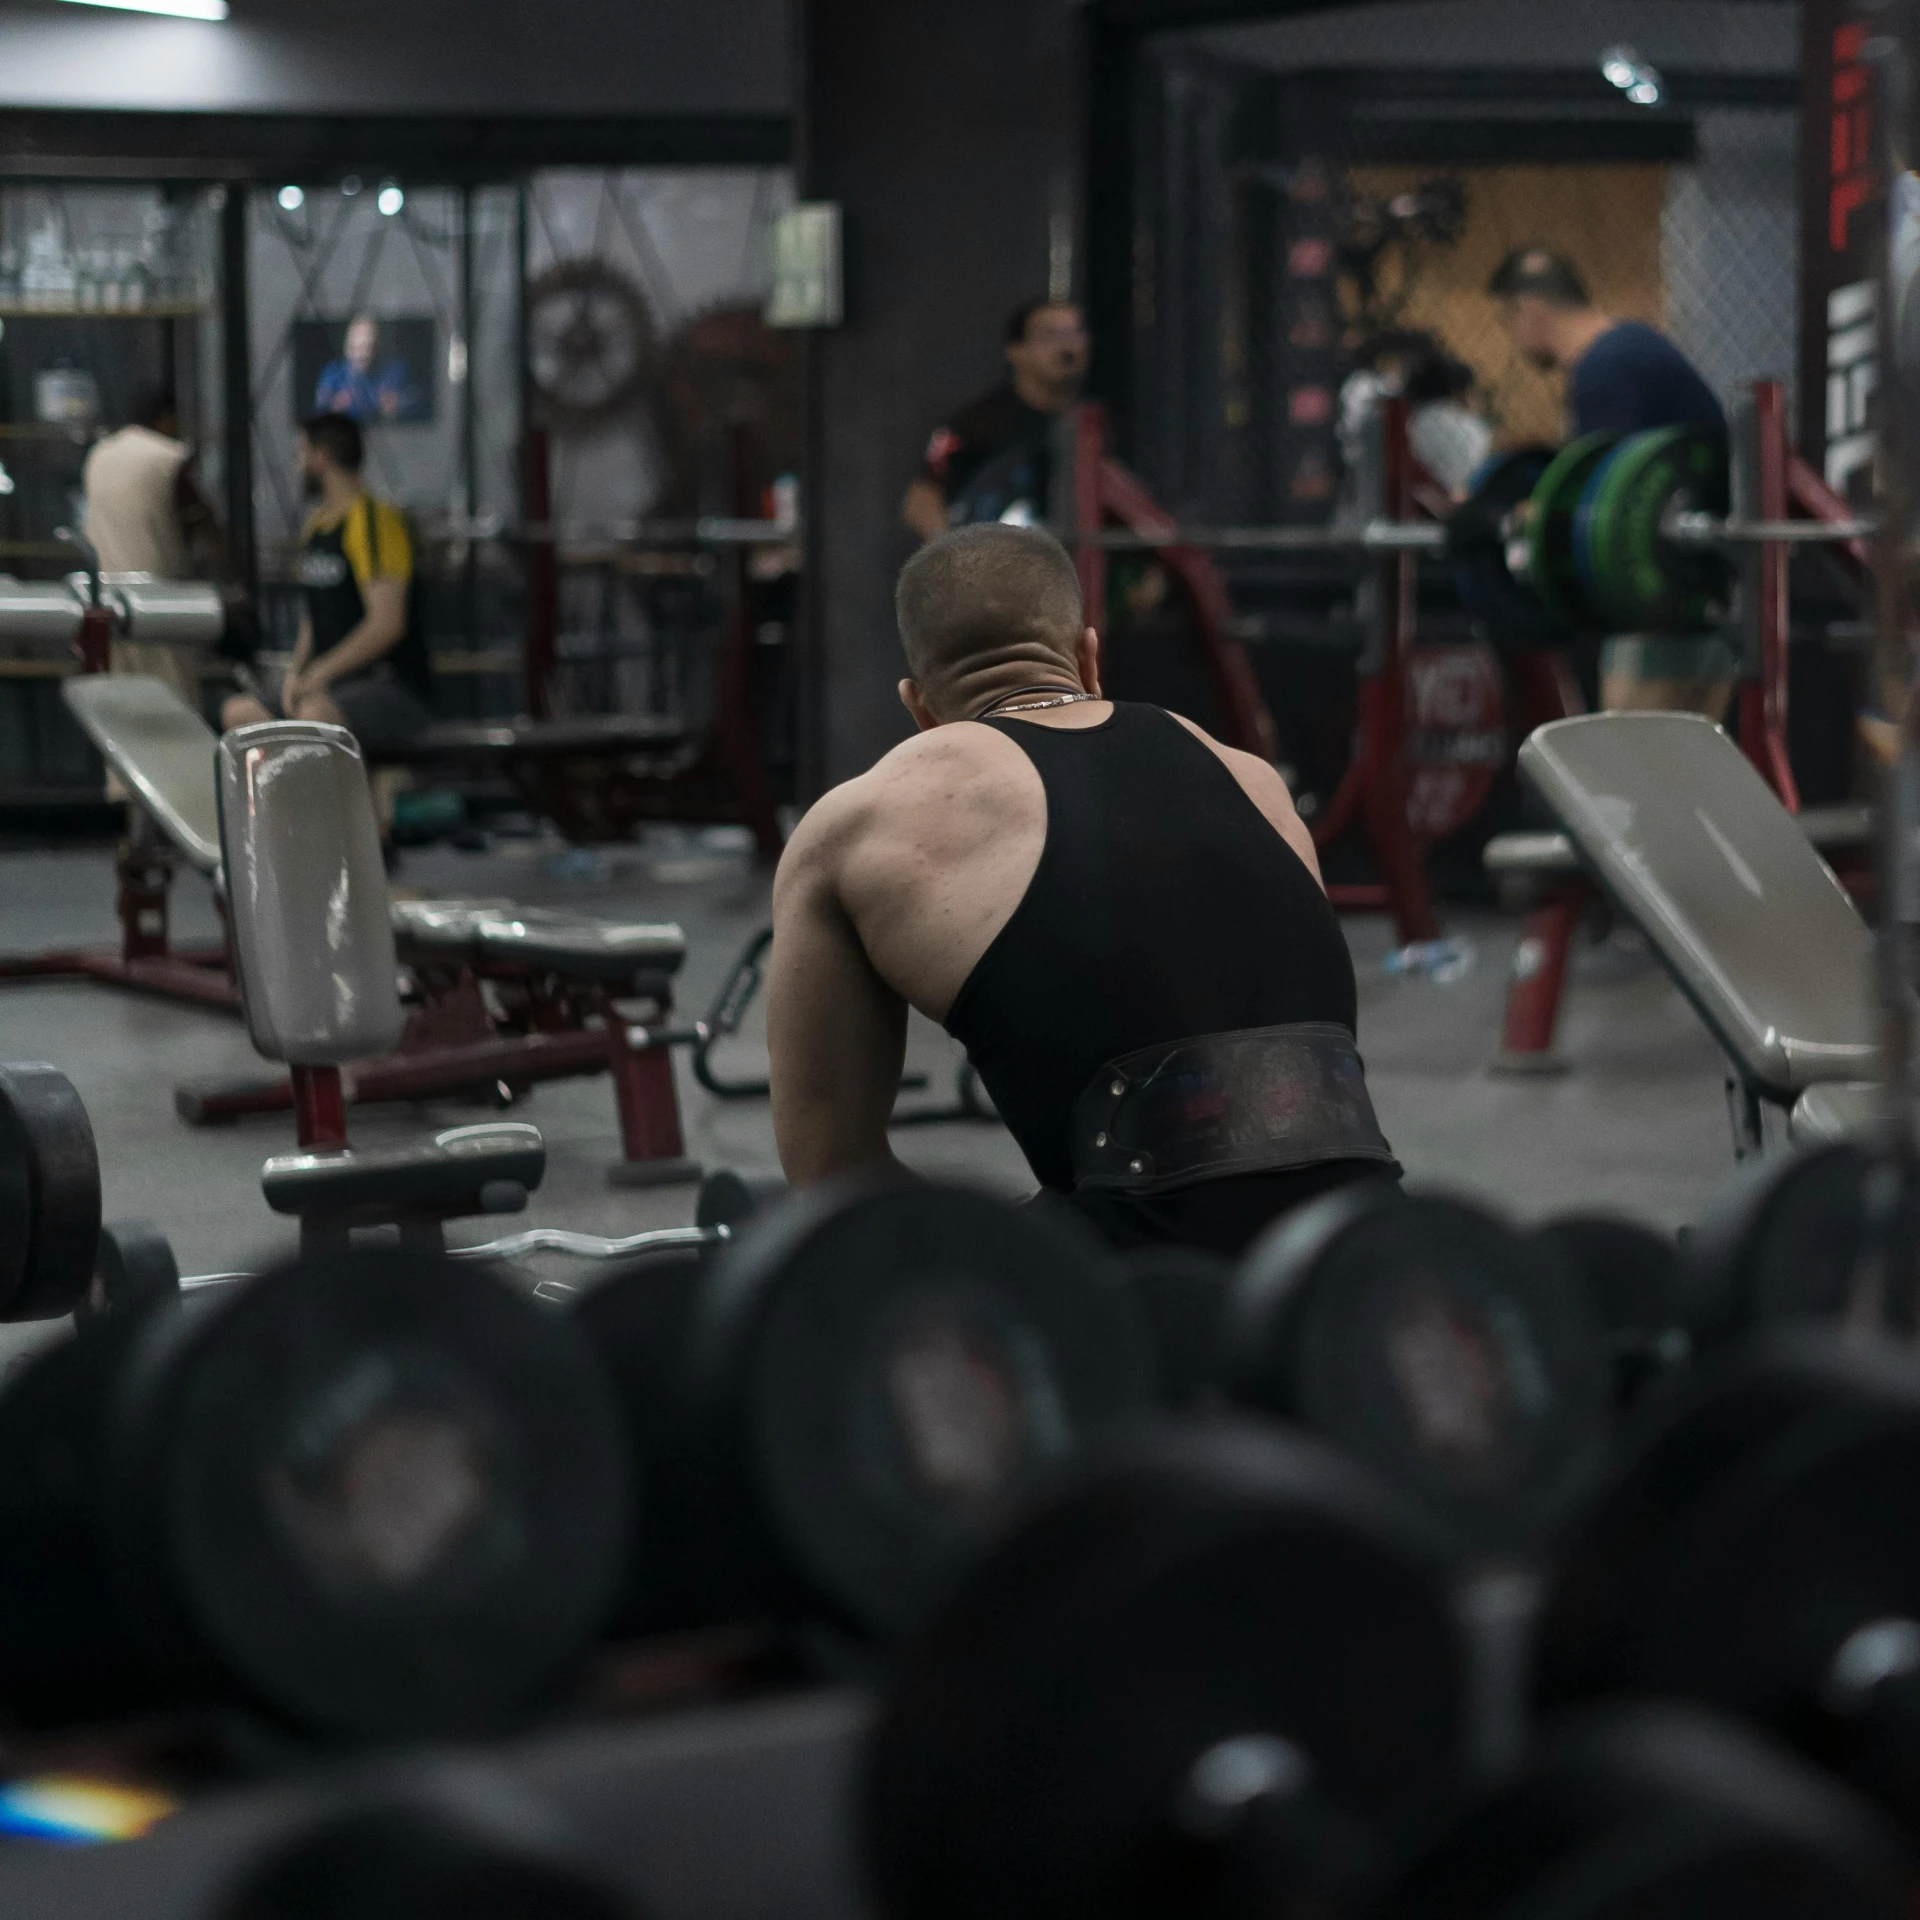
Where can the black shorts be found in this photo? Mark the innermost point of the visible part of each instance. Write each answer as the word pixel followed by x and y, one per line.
pixel 380 713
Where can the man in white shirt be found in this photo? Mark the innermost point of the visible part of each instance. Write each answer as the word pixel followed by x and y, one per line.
pixel 146 515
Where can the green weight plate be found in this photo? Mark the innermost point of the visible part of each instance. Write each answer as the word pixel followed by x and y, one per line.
pixel 878 1369
pixel 1210 1595
pixel 1642 583
pixel 45 1134
pixel 1551 569
pixel 1433 1343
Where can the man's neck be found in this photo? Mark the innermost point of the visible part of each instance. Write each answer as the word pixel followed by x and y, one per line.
pixel 1578 332
pixel 1042 395
pixel 340 493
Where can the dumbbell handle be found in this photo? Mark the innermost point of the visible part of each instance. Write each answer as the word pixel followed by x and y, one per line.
pixel 582 1246
pixel 592 1246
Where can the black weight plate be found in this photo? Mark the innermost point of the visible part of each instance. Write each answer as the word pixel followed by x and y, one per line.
pixel 1199 1587
pixel 1181 1293
pixel 44 1127
pixel 1484 535
pixel 1432 1342
pixel 65 1655
pixel 1657 1813
pixel 1631 1274
pixel 730 1199
pixel 1784 1243
pixel 637 1320
pixel 385 1494
pixel 134 1269
pixel 880 1368
pixel 1682 1578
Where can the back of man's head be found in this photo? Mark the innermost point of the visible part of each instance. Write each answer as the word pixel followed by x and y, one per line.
pixel 338 437
pixel 984 595
pixel 154 406
pixel 1538 273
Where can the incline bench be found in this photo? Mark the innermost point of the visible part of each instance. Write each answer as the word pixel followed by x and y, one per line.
pixel 1674 824
pixel 501 996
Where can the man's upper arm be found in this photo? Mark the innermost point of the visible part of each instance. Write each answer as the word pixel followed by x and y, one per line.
pixel 836 1032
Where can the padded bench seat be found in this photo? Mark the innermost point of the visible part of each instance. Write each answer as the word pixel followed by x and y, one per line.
pixel 1546 854
pixel 464 1171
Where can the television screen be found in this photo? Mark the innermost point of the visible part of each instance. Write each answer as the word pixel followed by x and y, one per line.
pixel 378 369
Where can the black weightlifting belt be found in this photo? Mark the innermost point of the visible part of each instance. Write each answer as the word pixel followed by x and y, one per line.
pixel 1261 1100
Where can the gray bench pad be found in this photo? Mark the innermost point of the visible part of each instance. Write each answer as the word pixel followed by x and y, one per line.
pixel 538 937
pixel 161 749
pixel 1672 819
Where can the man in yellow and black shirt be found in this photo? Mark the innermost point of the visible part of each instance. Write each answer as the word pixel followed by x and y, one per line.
pixel 359 662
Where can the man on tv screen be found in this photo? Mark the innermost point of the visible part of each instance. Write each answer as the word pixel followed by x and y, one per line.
pixel 359 385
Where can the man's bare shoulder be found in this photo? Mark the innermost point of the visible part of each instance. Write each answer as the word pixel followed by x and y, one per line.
pixel 931 780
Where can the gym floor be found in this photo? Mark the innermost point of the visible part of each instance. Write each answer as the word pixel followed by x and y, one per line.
pixel 1639 1124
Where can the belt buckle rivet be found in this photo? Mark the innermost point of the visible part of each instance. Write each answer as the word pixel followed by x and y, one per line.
pixel 1099 1139
pixel 1136 1166
pixel 1118 1088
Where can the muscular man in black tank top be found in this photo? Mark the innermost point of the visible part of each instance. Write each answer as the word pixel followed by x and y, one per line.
pixel 1121 920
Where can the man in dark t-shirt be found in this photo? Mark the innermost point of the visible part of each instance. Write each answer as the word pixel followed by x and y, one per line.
pixel 991 459
pixel 1623 377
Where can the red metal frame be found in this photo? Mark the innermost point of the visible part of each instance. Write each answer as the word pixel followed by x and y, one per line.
pixel 1374 786
pixel 452 1046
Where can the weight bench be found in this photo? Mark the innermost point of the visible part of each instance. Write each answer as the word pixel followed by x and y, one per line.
pixel 314 956
pixel 500 996
pixel 1673 824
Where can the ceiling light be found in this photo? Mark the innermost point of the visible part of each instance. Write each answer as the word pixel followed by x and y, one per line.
pixel 292 199
pixel 350 185
pixel 184 9
pixel 1638 79
pixel 391 200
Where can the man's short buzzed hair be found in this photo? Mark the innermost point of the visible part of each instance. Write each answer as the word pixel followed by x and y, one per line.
pixel 1539 273
pixel 983 594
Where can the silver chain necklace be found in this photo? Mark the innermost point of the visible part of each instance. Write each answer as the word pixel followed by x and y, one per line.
pixel 1029 706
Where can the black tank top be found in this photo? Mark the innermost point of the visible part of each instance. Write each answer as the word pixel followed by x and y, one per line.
pixel 1164 906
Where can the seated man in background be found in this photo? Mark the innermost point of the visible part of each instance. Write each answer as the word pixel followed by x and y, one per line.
pixel 145 514
pixel 357 664
pixel 1623 377
pixel 1121 920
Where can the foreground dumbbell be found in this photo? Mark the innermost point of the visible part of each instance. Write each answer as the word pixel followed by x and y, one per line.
pixel 1632 1277
pixel 1212 1620
pixel 831 1413
pixel 1762 1552
pixel 1786 1242
pixel 1222 1677
pixel 49 1193
pixel 1432 1342
pixel 1653 1813
pixel 377 1496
